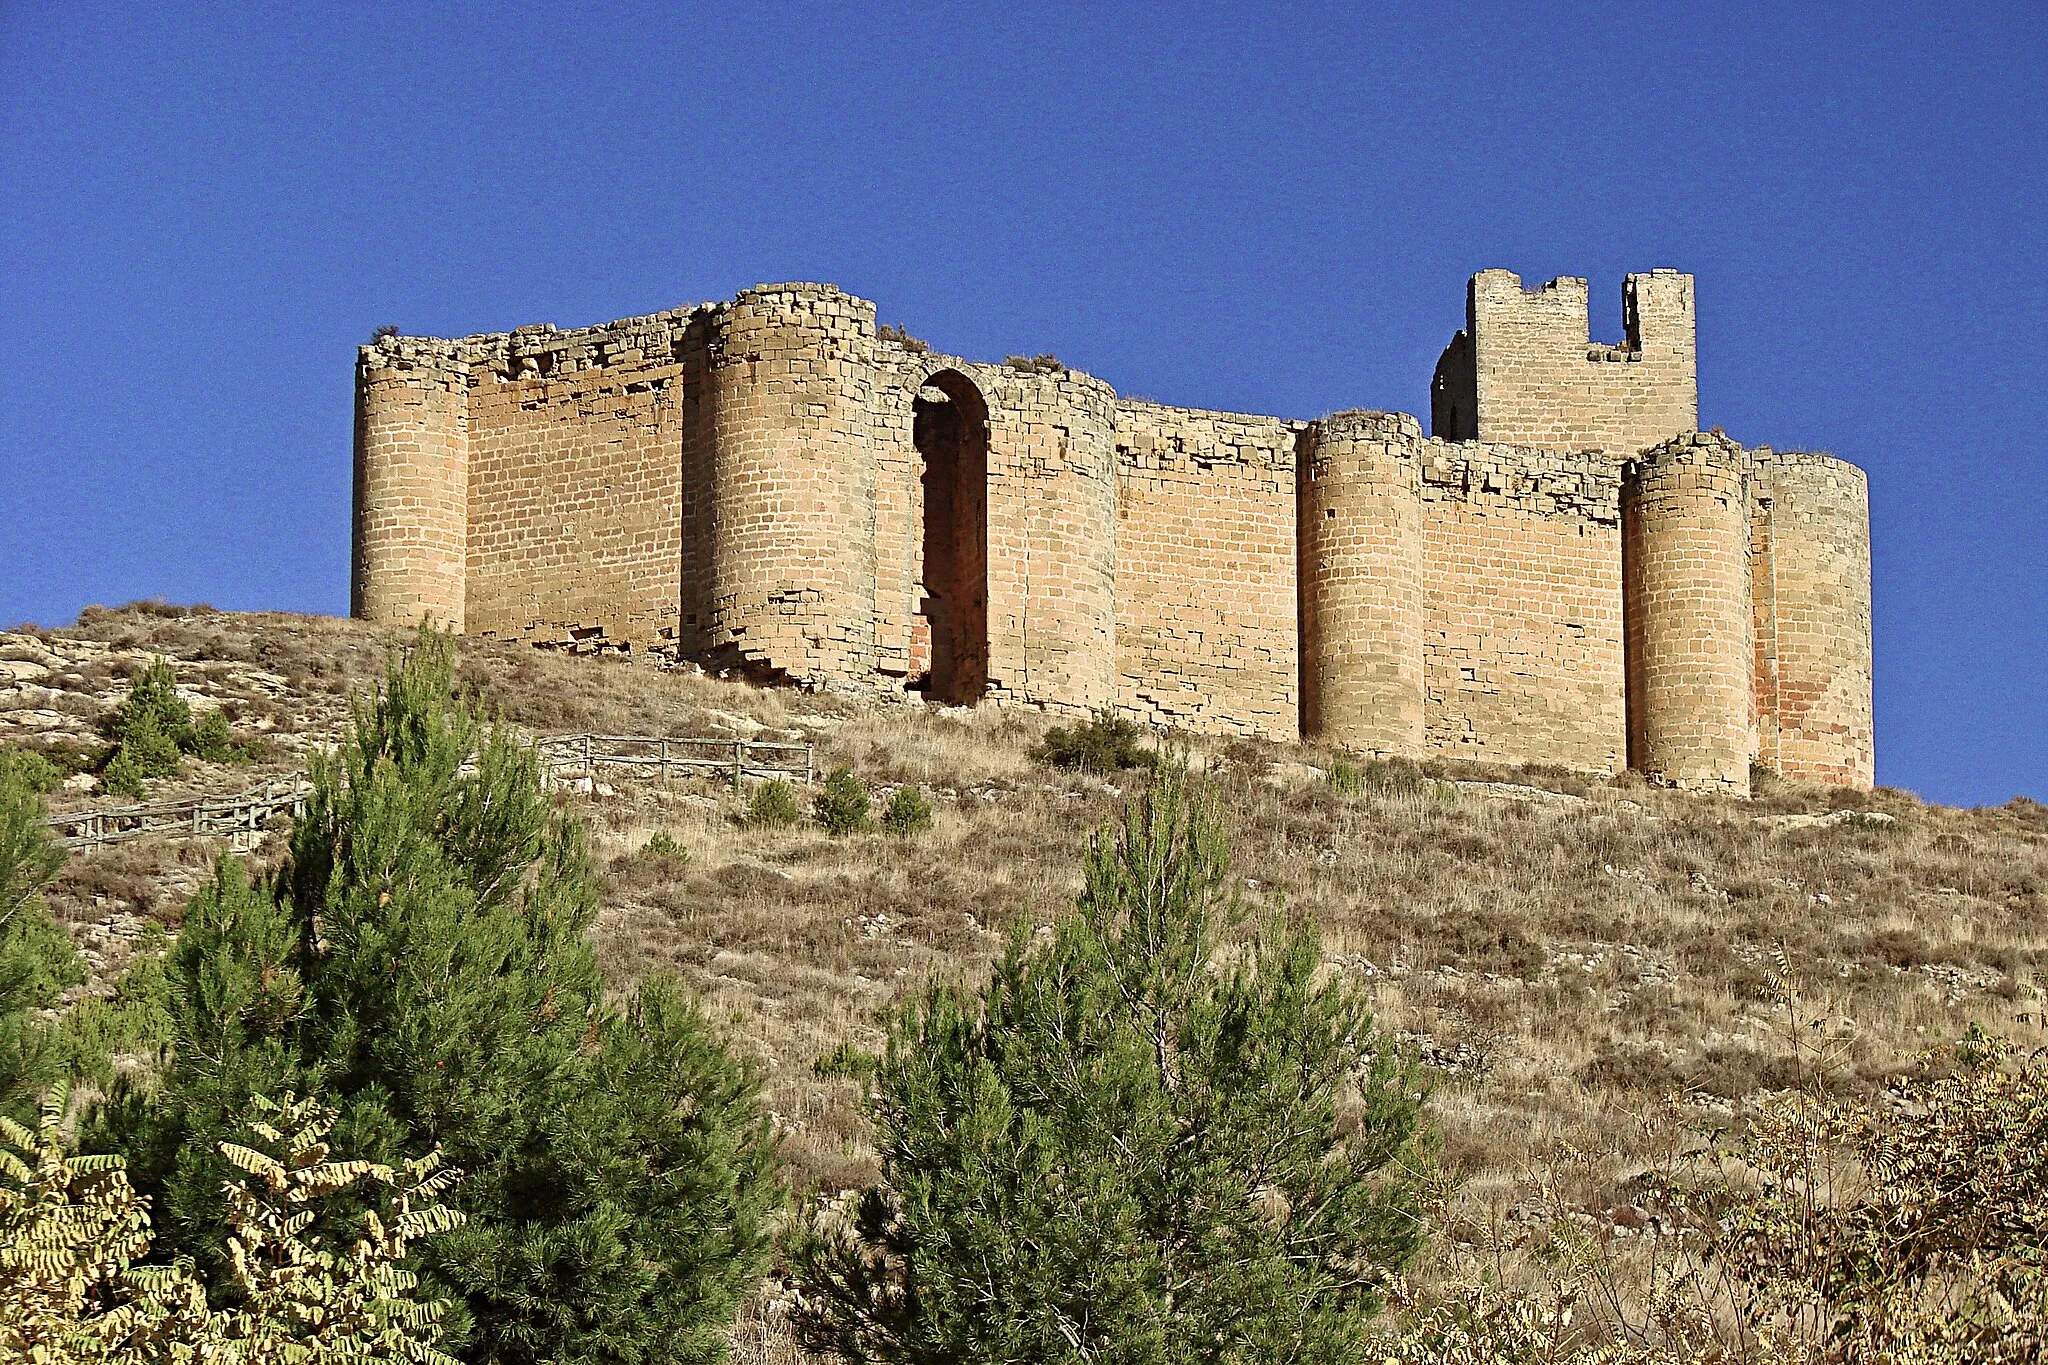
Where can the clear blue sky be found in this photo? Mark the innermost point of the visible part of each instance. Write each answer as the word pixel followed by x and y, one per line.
pixel 205 208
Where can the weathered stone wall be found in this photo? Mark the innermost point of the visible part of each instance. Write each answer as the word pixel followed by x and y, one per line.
pixel 576 486
pixel 1522 643
pixel 1536 379
pixel 1810 589
pixel 411 483
pixel 1052 537
pixel 1047 520
pixel 1685 584
pixel 1206 632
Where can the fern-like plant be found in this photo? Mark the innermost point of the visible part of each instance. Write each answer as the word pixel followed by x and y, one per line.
pixel 73 1232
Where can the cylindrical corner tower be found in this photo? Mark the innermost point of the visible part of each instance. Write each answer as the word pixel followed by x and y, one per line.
pixel 1811 590
pixel 411 484
pixel 792 498
pixel 1685 602
pixel 1360 510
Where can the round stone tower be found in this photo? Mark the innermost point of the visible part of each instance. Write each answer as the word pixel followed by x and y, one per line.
pixel 411 483
pixel 1360 508
pixel 792 506
pixel 1810 525
pixel 1689 640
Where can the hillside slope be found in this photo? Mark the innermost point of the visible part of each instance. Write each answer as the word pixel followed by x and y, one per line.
pixel 1565 949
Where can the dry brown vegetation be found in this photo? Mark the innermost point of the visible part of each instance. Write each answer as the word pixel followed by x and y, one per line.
pixel 1566 948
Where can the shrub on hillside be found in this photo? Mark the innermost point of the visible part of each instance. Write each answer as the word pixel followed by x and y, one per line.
pixel 153 723
pixel 773 806
pixel 152 731
pixel 71 1228
pixel 907 813
pixel 29 770
pixel 214 740
pixel 1105 743
pixel 421 962
pixel 842 805
pixel 663 846
pixel 1394 777
pixel 100 1034
pixel 1127 1146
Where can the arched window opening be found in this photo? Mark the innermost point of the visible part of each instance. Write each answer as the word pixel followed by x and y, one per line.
pixel 950 429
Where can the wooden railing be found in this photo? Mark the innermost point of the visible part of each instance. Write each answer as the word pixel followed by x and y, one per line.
pixel 737 759
pixel 240 818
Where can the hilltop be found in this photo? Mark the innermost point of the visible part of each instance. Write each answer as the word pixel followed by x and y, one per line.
pixel 1565 949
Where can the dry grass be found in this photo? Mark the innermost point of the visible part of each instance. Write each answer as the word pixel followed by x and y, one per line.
pixel 1568 949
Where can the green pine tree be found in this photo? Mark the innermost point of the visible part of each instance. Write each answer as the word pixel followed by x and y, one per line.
pixel 152 727
pixel 37 958
pixel 1129 1147
pixel 422 964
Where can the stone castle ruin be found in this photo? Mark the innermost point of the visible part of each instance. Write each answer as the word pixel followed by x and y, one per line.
pixel 1566 571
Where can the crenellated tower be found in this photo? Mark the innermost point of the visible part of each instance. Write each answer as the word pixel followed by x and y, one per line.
pixel 1526 372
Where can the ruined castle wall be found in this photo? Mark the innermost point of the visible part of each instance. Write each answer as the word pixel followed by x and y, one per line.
pixel 772 483
pixel 1361 547
pixel 411 483
pixel 1522 639
pixel 1051 509
pixel 1686 595
pixel 902 636
pixel 791 520
pixel 1206 570
pixel 576 492
pixel 1810 595
pixel 1538 380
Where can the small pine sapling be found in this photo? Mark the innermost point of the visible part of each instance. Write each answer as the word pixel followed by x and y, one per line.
pixel 773 806
pixel 907 813
pixel 842 806
pixel 213 739
pixel 662 845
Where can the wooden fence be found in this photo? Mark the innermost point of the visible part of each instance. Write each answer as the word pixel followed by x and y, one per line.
pixel 736 759
pixel 240 818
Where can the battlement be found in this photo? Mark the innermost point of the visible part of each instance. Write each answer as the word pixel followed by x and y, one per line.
pixel 1525 371
pixel 1565 572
